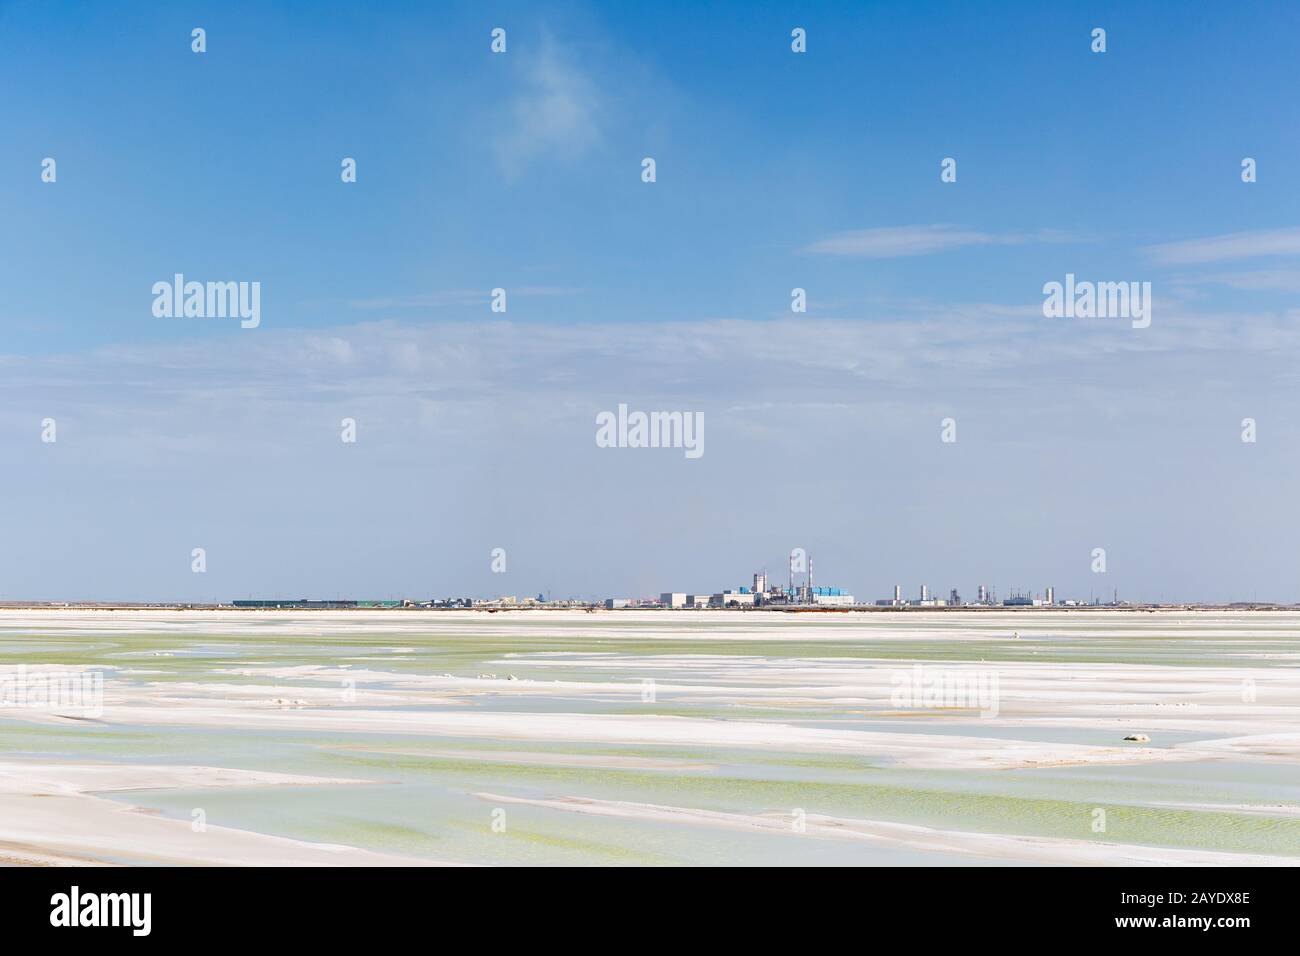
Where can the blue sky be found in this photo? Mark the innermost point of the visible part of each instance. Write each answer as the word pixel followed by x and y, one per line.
pixel 522 170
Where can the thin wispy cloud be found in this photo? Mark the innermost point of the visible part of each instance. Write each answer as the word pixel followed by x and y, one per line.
pixel 529 366
pixel 556 114
pixel 891 242
pixel 1259 280
pixel 1233 245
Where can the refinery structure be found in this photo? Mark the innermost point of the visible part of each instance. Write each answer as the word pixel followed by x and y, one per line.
pixel 760 593
pixel 985 597
pixel 800 592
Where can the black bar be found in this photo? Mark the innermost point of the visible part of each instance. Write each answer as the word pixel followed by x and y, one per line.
pixel 532 908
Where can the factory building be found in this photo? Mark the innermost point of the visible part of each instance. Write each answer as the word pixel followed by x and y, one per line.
pixel 763 593
pixel 831 596
pixel 895 601
pixel 743 597
pixel 926 600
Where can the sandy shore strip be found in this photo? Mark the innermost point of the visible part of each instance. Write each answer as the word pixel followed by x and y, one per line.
pixel 50 816
pixel 1054 851
pixel 976 626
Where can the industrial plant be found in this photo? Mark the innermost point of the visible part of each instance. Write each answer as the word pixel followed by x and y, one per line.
pixel 799 592
pixel 759 593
